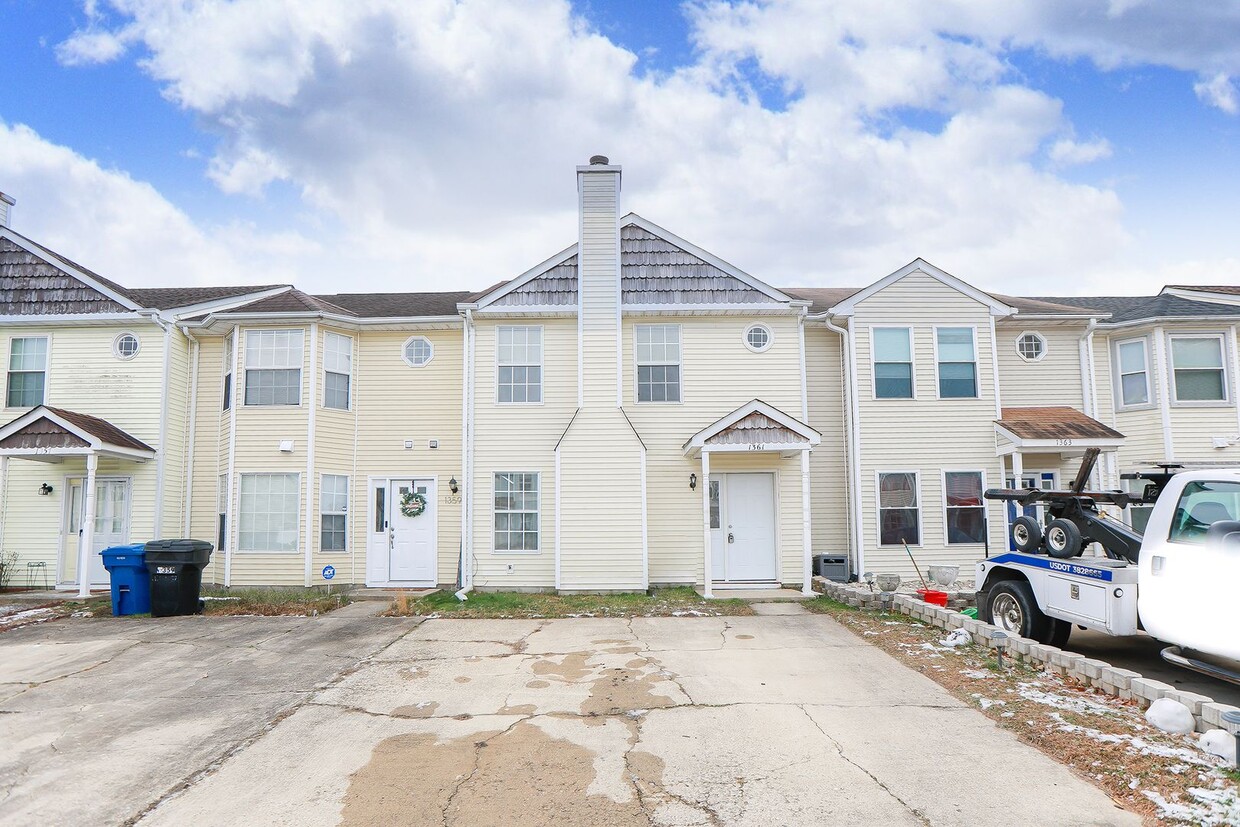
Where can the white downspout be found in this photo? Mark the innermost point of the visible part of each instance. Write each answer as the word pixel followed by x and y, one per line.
pixel 312 400
pixel 467 453
pixel 191 436
pixel 1164 391
pixel 848 343
pixel 1085 346
pixel 157 525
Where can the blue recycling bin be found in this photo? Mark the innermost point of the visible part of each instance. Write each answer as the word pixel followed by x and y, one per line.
pixel 131 583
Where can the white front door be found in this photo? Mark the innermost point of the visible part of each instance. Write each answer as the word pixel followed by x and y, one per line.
pixel 411 540
pixel 743 533
pixel 111 522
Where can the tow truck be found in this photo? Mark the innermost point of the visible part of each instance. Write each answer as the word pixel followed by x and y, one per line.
pixel 1177 581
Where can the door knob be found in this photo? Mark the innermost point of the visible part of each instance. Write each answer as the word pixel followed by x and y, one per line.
pixel 731 539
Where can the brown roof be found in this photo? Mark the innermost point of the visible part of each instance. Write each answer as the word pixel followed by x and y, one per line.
pixel 1055 423
pixel 823 298
pixel 293 301
pixel 389 305
pixel 100 428
pixel 1043 307
pixel 166 298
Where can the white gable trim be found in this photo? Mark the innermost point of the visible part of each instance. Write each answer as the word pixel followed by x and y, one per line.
pixel 94 444
pixel 1202 294
pixel 918 265
pixel 521 280
pixel 36 250
pixel 698 440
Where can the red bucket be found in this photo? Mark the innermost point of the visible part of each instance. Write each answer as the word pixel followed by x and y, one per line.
pixel 934 596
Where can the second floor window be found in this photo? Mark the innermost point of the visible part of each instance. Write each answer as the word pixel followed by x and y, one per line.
pixel 1197 364
pixel 337 370
pixel 518 364
pixel 957 362
pixel 273 367
pixel 657 351
pixel 27 372
pixel 228 371
pixel 893 363
pixel 1134 376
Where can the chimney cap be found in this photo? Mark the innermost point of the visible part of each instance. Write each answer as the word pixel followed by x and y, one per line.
pixel 599 160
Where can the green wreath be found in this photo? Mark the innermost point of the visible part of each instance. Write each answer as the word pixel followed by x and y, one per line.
pixel 412 504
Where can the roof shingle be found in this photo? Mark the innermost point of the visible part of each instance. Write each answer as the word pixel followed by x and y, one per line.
pixel 1055 423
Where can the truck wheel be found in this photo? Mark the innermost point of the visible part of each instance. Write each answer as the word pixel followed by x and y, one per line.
pixel 1010 605
pixel 1063 539
pixel 1026 534
pixel 1061 630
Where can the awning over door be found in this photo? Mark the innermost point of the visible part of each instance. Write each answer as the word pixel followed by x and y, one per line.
pixel 755 426
pixel 48 434
pixel 1053 430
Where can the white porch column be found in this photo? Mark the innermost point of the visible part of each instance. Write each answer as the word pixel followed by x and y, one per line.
pixel 1018 468
pixel 807 564
pixel 706 522
pixel 87 539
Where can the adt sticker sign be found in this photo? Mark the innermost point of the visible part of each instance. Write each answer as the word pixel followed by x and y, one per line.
pixel 329 572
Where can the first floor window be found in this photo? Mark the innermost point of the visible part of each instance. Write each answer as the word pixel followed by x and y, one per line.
pixel 899 514
pixel 516 511
pixel 966 512
pixel 27 371
pixel 957 362
pixel 334 505
pixel 273 367
pixel 269 508
pixel 1197 362
pixel 657 352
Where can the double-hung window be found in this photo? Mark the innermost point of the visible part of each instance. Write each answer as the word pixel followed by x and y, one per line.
pixel 270 505
pixel 1134 373
pixel 957 356
pixel 899 509
pixel 657 351
pixel 333 508
pixel 519 364
pixel 966 511
pixel 228 371
pixel 1197 364
pixel 337 370
pixel 27 371
pixel 893 363
pixel 516 511
pixel 273 367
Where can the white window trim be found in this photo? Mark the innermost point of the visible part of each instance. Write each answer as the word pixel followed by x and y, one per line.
pixel 235 531
pixel 245 368
pixel 542 376
pixel 1023 357
pixel 680 363
pixel 47 368
pixel 1118 375
pixel 116 343
pixel 984 506
pixel 229 361
pixel 878 508
pixel 352 358
pixel 912 355
pixel 1224 355
pixel 348 497
pixel 770 340
pixel 977 375
pixel 405 347
pixel 542 526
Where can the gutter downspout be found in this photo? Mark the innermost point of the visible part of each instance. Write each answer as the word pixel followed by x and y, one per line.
pixel 157 525
pixel 848 343
pixel 1164 391
pixel 190 437
pixel 467 456
pixel 311 477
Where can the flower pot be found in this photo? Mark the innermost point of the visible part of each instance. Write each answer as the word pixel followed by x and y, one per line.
pixel 944 575
pixel 888 582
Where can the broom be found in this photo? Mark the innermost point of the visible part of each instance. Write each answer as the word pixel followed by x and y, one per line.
pixel 915 566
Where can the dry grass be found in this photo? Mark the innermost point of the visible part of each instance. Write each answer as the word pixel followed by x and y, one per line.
pixel 682 602
pixel 271 602
pixel 1105 740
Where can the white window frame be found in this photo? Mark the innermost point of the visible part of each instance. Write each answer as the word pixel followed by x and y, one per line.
pixel 537 511
pixel 404 351
pixel 221 514
pixel 977 374
pixel 680 366
pixel 1223 356
pixel 300 368
pixel 228 388
pixel 878 507
pixel 542 358
pixel 47 372
pixel 946 507
pixel 770 340
pixel 912 355
pixel 298 501
pixel 1118 375
pixel 349 392
pixel 1036 335
pixel 323 512
pixel 116 345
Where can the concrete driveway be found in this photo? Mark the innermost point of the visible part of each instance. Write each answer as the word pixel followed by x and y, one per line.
pixel 368 721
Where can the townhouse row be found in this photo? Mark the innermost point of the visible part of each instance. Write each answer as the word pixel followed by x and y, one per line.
pixel 631 412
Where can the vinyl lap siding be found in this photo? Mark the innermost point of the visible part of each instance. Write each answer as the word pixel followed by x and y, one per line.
pixel 828 462
pixel 1055 379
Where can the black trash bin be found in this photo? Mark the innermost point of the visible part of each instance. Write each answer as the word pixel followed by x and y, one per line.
pixel 176 575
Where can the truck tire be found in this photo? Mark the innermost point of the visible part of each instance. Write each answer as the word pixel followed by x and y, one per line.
pixel 1010 605
pixel 1063 539
pixel 1061 630
pixel 1026 534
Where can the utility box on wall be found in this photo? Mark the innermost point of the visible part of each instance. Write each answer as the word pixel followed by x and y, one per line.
pixel 832 566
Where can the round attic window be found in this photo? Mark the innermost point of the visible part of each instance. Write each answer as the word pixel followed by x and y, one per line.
pixel 758 337
pixel 1031 346
pixel 418 351
pixel 125 346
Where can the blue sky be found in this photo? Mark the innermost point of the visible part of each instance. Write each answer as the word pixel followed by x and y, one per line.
pixel 1086 147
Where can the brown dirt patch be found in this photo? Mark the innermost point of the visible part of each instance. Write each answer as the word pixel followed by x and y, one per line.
pixel 537 685
pixel 422 710
pixel 571 668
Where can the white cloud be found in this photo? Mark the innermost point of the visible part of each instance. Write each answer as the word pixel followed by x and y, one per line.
pixel 1220 92
pixel 1066 151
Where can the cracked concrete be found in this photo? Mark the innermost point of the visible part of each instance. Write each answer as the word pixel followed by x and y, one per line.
pixel 768 720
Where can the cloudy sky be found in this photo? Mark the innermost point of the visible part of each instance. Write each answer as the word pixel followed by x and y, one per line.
pixel 1029 146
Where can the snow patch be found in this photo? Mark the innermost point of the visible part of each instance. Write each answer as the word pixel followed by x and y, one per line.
pixel 1030 692
pixel 1209 808
pixel 25 616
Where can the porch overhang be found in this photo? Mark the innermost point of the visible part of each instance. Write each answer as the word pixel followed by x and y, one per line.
pixel 1053 430
pixel 47 434
pixel 754 427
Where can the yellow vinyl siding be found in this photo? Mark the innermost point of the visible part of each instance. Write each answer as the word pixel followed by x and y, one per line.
pixel 828 462
pixel 1055 379
pixel 210 451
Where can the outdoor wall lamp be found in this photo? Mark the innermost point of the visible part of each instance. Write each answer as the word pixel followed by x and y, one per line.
pixel 44 490
pixel 693 482
pixel 452 486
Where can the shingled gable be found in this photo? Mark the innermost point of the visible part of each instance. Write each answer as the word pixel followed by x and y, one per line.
pixel 35 281
pixel 657 270
pixel 47 434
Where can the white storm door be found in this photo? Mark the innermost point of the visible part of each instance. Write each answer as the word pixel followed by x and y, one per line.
pixel 111 521
pixel 718 537
pixel 750 527
pixel 411 554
